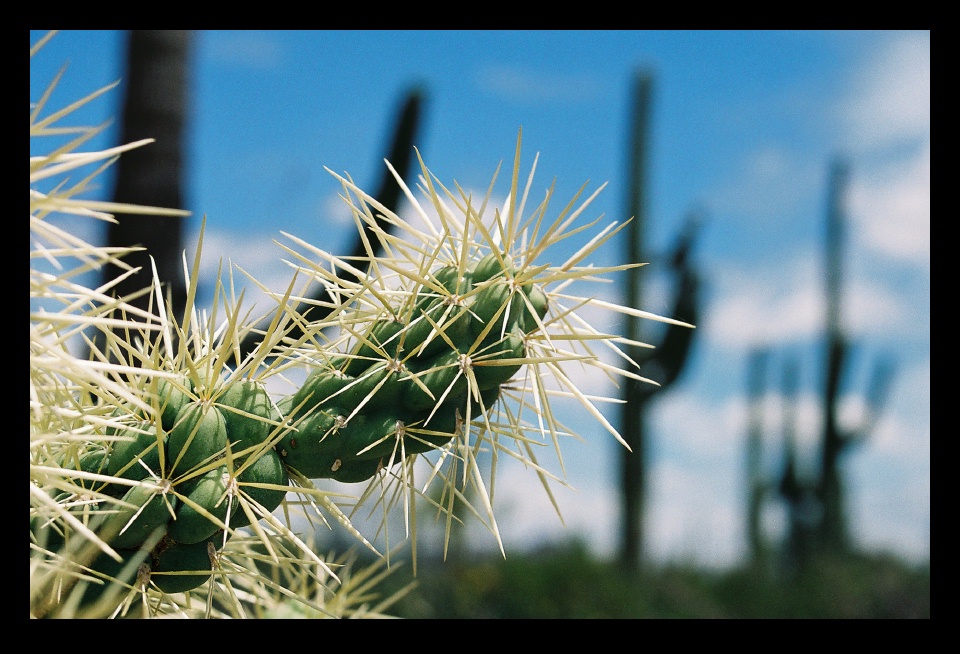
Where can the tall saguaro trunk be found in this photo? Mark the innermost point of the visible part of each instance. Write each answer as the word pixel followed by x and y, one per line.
pixel 673 346
pixel 633 462
pixel 756 484
pixel 154 106
pixel 833 526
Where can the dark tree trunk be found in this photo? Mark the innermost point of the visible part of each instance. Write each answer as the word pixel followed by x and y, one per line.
pixel 154 106
pixel 632 475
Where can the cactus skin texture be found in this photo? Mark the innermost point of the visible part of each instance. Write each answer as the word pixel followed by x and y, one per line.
pixel 187 491
pixel 404 387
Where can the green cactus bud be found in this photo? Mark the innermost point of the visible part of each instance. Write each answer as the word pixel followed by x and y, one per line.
pixel 380 386
pixel 129 526
pixel 322 386
pixel 421 334
pixel 199 433
pixel 352 472
pixel 491 366
pixel 137 456
pixel 490 266
pixel 94 461
pixel 382 341
pixel 441 375
pixel 538 298
pixel 267 469
pixel 173 397
pixel 371 436
pixel 250 397
pixel 178 558
pixel 498 306
pixel 210 492
pixel 451 283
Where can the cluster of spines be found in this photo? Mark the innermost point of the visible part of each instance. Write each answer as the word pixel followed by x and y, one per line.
pixel 177 480
pixel 411 384
pixel 416 377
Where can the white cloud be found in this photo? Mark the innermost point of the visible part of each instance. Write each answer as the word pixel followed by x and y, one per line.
pixel 890 206
pixel 885 121
pixel 888 102
pixel 889 499
pixel 694 518
pixel 750 308
pixel 770 181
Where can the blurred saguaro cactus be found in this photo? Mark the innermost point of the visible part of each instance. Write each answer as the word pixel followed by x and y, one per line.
pixel 796 486
pixel 815 499
pixel 836 438
pixel 155 105
pixel 670 355
pixel 757 483
pixel 401 155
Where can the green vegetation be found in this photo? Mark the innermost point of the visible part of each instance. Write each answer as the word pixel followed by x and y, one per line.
pixel 567 582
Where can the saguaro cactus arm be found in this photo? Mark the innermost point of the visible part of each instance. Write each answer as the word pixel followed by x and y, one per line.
pixel 401 155
pixel 672 353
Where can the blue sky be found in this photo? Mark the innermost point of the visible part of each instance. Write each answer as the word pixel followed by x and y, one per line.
pixel 744 127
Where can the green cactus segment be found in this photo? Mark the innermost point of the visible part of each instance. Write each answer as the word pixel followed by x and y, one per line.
pixel 381 386
pixel 267 469
pixel 491 266
pixel 94 461
pixel 442 377
pixel 498 309
pixel 246 396
pixel 538 299
pixel 440 307
pixel 322 386
pixel 451 283
pixel 171 564
pixel 382 340
pixel 113 575
pixel 353 472
pixel 143 514
pixel 424 332
pixel 199 434
pixel 210 492
pixel 371 436
pixel 405 386
pixel 138 455
pixel 173 397
pixel 313 447
pixel 495 364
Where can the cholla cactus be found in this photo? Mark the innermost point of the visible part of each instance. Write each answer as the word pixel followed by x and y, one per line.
pixel 174 475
